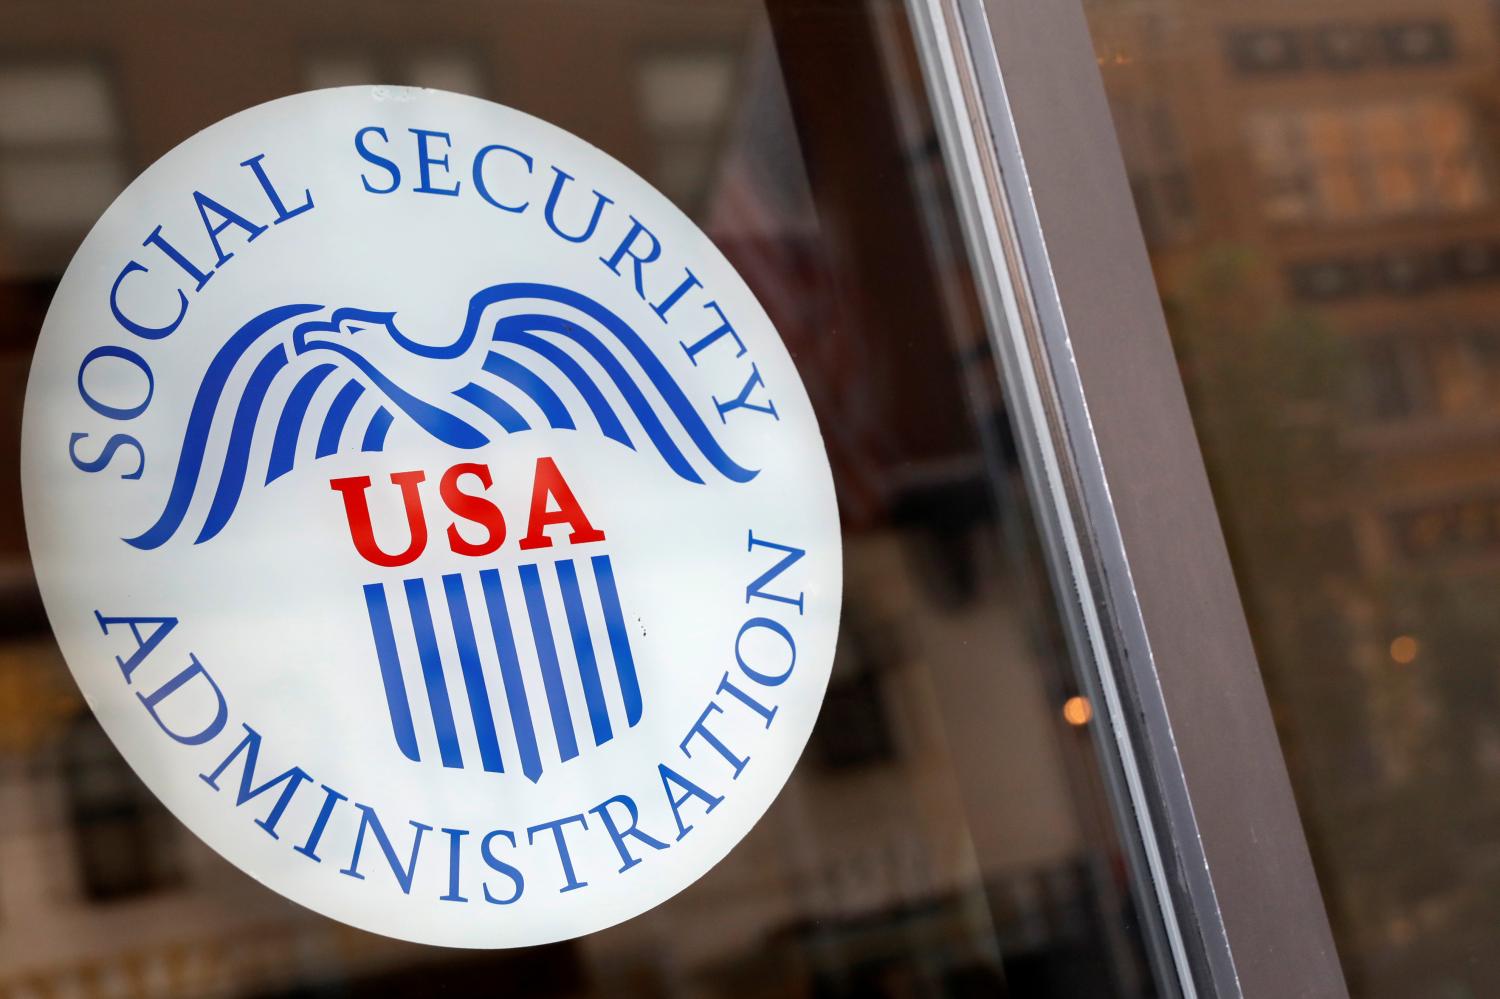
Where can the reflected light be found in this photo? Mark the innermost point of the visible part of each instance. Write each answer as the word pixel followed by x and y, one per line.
pixel 1404 649
pixel 1077 711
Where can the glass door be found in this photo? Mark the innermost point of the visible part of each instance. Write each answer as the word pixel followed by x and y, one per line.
pixel 967 818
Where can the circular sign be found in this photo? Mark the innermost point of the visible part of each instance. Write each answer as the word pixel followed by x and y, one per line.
pixel 431 516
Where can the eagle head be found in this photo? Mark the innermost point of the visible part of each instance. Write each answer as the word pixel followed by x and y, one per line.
pixel 361 331
pixel 345 328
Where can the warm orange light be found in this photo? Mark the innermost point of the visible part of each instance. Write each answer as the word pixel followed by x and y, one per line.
pixel 1077 711
pixel 1404 649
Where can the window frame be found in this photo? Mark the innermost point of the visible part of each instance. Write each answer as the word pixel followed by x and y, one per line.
pixel 1130 526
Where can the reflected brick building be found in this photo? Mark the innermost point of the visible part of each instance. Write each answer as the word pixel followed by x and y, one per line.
pixel 1319 185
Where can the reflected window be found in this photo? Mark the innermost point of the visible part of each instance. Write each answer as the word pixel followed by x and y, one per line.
pixel 854 728
pixel 1417 44
pixel 61 150
pixel 1388 383
pixel 1159 178
pixel 454 70
pixel 1369 162
pixel 1403 271
pixel 1339 47
pixel 122 836
pixel 1429 373
pixel 684 96
pixel 1343 46
pixel 341 69
pixel 1265 50
pixel 1461 528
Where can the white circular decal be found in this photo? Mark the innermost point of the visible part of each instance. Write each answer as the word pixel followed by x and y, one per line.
pixel 431 516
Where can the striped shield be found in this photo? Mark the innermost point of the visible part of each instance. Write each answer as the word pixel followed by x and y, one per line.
pixel 527 653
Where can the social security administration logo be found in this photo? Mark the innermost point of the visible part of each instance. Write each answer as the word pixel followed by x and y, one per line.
pixel 431 516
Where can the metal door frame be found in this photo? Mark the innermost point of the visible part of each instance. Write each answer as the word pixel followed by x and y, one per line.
pixel 1117 477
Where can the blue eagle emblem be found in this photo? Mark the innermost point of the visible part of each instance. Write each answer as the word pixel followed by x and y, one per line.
pixel 558 336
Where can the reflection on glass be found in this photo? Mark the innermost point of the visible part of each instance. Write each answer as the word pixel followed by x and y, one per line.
pixel 395 64
pixel 60 158
pixel 684 97
pixel 946 833
pixel 1336 318
pixel 46 103
pixel 1384 159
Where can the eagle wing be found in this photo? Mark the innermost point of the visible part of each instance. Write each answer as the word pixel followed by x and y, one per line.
pixel 549 343
pixel 551 336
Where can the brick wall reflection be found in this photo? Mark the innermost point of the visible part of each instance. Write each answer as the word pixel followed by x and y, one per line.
pixel 1318 187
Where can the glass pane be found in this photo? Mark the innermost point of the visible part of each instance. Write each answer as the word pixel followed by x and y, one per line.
pixel 1333 303
pixel 948 831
